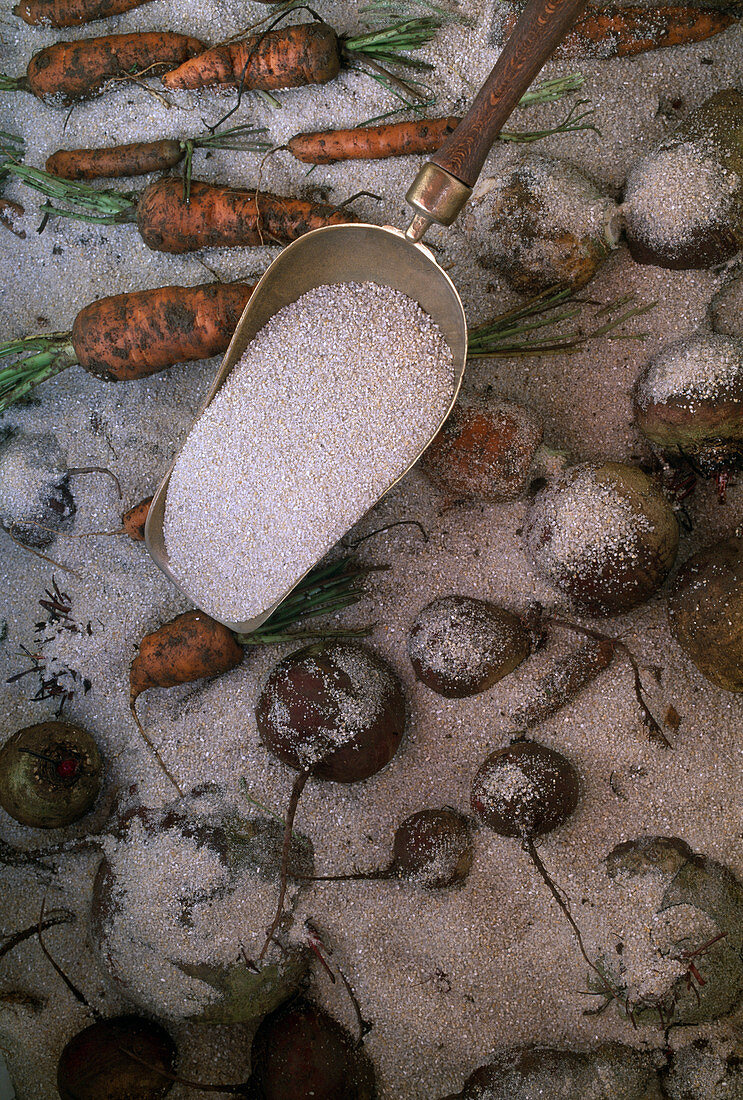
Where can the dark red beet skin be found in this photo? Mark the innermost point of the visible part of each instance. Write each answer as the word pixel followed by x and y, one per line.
pixel 94 1065
pixel 301 1053
pixel 335 710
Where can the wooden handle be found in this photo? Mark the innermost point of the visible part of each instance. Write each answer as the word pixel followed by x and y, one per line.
pixel 538 32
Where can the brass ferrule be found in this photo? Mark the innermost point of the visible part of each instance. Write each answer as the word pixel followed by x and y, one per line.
pixel 437 195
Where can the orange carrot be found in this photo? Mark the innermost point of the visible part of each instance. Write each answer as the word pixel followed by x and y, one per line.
pixel 141 157
pixel 290 57
pixel 626 31
pixel 395 139
pixel 68 71
pixel 71 13
pixel 129 336
pixel 225 217
pixel 133 520
pixel 121 160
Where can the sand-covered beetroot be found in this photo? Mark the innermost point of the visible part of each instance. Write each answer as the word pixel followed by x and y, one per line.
pixel 459 646
pixel 333 709
pixel 705 612
pixel 604 535
pixel 525 790
pixel 689 402
pixel 611 1072
pixel 35 498
pixel 683 203
pixel 484 450
pixel 169 940
pixel 543 223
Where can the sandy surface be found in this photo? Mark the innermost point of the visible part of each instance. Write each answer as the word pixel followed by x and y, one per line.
pixel 445 977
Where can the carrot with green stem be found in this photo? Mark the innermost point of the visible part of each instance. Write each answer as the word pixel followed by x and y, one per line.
pixel 170 218
pixel 426 135
pixel 141 157
pixel 307 53
pixel 68 71
pixel 128 336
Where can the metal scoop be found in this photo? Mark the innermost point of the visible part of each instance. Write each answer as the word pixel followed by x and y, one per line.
pixel 384 255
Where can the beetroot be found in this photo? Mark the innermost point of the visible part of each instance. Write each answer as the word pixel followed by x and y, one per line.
pixel 94 1064
pixel 525 790
pixel 604 535
pixel 301 1053
pixel 460 646
pixel 332 710
pixel 50 774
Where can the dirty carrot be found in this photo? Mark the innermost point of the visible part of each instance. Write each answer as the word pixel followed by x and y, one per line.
pixel 128 336
pixel 68 71
pixel 301 54
pixel 425 135
pixel 172 219
pixel 71 13
pixel 141 157
pixel 626 31
pixel 194 646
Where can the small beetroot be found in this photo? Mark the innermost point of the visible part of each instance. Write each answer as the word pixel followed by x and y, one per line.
pixel 50 774
pixel 94 1064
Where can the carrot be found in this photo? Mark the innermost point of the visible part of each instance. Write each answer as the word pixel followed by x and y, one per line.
pixel 624 32
pixel 71 13
pixel 128 336
pixel 425 135
pixel 225 217
pixel 133 520
pixel 68 71
pixel 141 157
pixel 301 54
pixel 396 139
pixel 304 53
pixel 174 217
pixel 194 646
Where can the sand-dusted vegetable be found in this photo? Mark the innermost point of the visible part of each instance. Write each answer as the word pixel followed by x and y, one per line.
pixel 172 218
pixel 705 612
pixel 172 942
pixel 71 13
pixel 68 71
pixel 726 308
pixel 681 960
pixel 95 1063
pixel 193 645
pixel 611 1072
pixel 432 848
pixel 704 1070
pixel 35 498
pixel 302 1053
pixel 683 203
pixel 604 535
pixel 689 403
pixel 544 224
pixel 134 519
pixel 619 30
pixel 303 53
pixel 562 681
pixel 485 450
pixel 333 711
pixel 426 135
pixel 459 646
pixel 127 336
pixel 140 157
pixel 50 774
